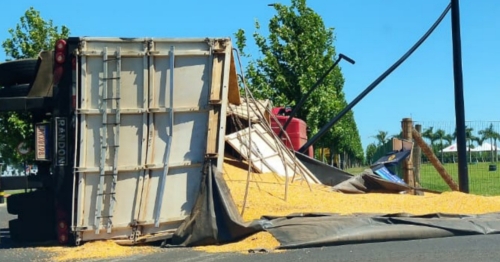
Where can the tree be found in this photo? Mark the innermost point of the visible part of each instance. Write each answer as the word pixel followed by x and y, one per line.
pixel 382 137
pixel 491 134
pixel 442 136
pixel 497 137
pixel 469 137
pixel 371 149
pixel 429 134
pixel 30 36
pixel 298 51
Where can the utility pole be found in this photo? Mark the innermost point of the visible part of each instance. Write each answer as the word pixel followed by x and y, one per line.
pixel 463 176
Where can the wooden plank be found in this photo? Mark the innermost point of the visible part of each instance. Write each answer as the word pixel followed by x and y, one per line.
pixel 417 158
pixel 256 108
pixel 407 126
pixel 213 130
pixel 215 98
pixel 234 89
pixel 216 87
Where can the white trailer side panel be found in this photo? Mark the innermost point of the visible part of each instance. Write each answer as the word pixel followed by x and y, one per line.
pixel 143 119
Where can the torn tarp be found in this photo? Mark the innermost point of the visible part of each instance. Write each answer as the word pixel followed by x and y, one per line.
pixel 392 158
pixel 327 175
pixel 368 182
pixel 385 167
pixel 316 230
pixel 214 218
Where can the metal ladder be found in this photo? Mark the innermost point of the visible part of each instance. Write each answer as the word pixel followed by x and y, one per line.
pixel 104 145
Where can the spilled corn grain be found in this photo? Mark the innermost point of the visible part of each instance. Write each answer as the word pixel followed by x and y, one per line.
pixel 96 250
pixel 267 191
pixel 260 240
pixel 266 197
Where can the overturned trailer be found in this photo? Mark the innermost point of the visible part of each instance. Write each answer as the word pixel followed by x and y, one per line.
pixel 125 128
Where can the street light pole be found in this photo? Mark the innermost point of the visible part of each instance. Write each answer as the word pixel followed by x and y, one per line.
pixel 463 176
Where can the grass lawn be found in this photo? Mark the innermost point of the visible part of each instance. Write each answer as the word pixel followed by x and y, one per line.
pixel 481 180
pixel 357 170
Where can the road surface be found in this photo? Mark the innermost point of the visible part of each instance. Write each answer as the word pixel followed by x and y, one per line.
pixel 456 249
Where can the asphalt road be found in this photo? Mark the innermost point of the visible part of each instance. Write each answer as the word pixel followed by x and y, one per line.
pixel 456 249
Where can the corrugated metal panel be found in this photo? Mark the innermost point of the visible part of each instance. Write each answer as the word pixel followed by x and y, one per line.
pixel 154 140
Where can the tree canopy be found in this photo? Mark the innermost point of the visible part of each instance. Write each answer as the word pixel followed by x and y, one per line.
pixel 299 50
pixel 30 36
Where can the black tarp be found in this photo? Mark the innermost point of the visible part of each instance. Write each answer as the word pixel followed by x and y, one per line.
pixel 367 182
pixel 328 175
pixel 215 220
pixel 392 158
pixel 315 230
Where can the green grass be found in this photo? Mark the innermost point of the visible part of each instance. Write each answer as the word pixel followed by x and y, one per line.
pixel 356 170
pixel 481 180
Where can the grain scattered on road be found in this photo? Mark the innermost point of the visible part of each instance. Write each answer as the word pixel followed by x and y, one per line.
pixel 97 250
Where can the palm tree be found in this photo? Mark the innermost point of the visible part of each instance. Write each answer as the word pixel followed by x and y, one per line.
pixel 442 136
pixel 449 141
pixel 495 138
pixel 382 137
pixel 469 137
pixel 429 134
pixel 480 140
pixel 489 133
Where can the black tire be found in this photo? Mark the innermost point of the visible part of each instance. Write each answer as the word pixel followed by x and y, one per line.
pixel 32 230
pixel 17 72
pixel 14 203
pixel 15 91
pixel 36 203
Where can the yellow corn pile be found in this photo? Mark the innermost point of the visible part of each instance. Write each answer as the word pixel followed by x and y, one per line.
pixel 266 197
pixel 260 240
pixel 96 250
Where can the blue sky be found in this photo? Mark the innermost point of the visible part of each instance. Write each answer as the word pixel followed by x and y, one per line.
pixel 373 32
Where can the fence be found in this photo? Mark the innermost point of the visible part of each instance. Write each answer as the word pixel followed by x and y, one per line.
pixel 482 155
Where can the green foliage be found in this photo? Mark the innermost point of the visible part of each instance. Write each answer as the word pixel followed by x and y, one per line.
pixel 441 136
pixel 492 135
pixel 30 36
pixel 382 137
pixel 371 149
pixel 429 134
pixel 299 50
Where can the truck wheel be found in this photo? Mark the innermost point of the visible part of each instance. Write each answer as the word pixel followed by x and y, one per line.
pixel 32 230
pixel 14 203
pixel 28 204
pixel 17 72
pixel 15 91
